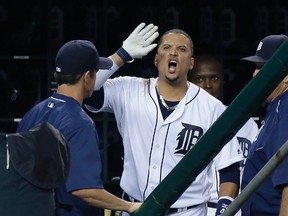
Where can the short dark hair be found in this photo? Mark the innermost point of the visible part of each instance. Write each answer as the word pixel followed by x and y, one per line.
pixel 178 31
pixel 204 58
pixel 69 79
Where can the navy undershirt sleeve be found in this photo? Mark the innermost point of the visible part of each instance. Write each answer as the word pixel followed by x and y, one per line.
pixel 230 174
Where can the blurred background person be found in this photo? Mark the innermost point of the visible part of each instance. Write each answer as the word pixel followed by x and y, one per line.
pixel 208 74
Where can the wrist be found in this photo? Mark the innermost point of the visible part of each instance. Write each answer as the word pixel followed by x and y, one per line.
pixel 134 206
pixel 222 204
pixel 124 55
pixel 226 197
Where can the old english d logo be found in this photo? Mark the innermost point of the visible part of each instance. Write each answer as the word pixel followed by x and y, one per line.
pixel 245 145
pixel 187 138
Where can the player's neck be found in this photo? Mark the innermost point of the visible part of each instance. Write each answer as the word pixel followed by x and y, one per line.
pixel 71 91
pixel 172 92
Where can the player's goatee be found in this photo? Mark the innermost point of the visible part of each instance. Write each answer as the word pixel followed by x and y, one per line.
pixel 172 79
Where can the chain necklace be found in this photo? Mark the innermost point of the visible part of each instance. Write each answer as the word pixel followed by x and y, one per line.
pixel 165 104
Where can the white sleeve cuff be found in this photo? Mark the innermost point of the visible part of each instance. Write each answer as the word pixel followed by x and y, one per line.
pixel 103 75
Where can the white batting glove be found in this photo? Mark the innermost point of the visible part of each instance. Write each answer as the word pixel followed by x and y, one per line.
pixel 139 42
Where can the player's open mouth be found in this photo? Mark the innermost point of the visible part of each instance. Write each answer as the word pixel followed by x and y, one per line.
pixel 172 65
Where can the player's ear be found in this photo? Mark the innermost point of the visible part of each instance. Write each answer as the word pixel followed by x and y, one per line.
pixel 86 76
pixel 155 60
pixel 191 63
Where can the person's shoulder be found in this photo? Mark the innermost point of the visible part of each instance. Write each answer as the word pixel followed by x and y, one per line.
pixel 77 121
pixel 197 95
pixel 38 108
pixel 250 127
pixel 77 114
pixel 133 82
pixel 252 122
pixel 68 111
pixel 126 80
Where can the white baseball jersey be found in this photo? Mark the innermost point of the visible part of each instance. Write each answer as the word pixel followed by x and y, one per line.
pixel 245 137
pixel 153 146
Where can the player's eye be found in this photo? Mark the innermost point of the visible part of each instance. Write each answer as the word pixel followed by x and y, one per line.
pixel 166 46
pixel 198 79
pixel 215 78
pixel 182 49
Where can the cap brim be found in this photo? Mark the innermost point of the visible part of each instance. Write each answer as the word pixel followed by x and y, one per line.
pixel 104 63
pixel 255 59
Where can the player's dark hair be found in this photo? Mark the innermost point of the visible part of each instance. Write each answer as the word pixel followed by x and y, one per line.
pixel 178 31
pixel 210 60
pixel 69 79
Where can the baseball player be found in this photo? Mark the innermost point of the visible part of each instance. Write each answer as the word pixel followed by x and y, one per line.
pixel 77 63
pixel 208 74
pixel 245 137
pixel 160 120
pixel 272 195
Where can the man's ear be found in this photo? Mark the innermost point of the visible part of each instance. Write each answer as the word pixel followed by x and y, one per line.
pixel 86 76
pixel 155 60
pixel 192 63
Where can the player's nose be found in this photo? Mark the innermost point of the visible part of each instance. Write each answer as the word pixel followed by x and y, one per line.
pixel 207 83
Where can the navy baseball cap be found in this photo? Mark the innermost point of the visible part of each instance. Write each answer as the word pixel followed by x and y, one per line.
pixel 266 48
pixel 78 56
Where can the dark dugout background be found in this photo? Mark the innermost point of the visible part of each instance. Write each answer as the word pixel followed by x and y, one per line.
pixel 33 31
